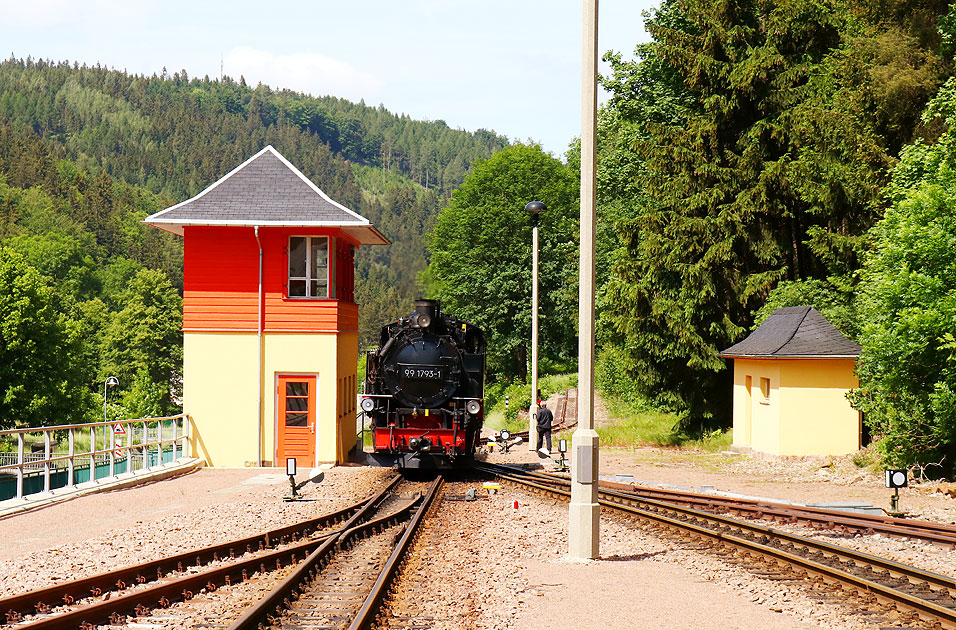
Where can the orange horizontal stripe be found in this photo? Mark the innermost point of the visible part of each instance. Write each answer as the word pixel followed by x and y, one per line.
pixel 221 296
pixel 280 331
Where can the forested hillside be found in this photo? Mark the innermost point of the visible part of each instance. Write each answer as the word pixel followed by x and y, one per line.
pixel 174 135
pixel 87 152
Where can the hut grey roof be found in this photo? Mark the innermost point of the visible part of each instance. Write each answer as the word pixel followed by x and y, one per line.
pixel 794 331
pixel 266 190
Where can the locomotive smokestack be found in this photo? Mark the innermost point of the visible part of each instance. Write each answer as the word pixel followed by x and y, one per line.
pixel 426 311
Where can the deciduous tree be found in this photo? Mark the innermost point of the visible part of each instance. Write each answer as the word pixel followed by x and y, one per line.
pixel 908 307
pixel 481 255
pixel 43 380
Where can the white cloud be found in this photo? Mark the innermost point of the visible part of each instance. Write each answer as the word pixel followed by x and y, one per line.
pixel 304 72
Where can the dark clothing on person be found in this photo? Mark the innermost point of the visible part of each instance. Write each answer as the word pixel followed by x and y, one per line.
pixel 544 418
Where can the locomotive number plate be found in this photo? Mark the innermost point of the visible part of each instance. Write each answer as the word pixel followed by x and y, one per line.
pixel 422 372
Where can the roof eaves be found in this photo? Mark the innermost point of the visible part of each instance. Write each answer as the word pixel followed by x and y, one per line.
pixel 787 356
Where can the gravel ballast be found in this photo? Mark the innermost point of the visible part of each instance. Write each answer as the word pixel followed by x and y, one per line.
pixel 486 564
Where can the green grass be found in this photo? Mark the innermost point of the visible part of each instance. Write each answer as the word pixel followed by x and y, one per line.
pixel 360 371
pixel 712 442
pixel 640 424
pixel 633 423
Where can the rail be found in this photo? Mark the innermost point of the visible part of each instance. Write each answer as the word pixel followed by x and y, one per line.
pixel 115 447
pixel 911 590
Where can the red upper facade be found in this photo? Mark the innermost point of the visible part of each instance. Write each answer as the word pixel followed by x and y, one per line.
pixel 306 241
pixel 221 282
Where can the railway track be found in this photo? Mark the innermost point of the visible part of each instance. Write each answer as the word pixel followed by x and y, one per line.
pixel 882 589
pixel 838 521
pixel 114 596
pixel 343 583
pixel 841 522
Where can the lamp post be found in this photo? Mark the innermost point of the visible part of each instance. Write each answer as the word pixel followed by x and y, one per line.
pixel 112 381
pixel 535 208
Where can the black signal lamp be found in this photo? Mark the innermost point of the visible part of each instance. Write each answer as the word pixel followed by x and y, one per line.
pixel 896 478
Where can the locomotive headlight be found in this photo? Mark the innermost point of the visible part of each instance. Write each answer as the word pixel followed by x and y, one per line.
pixel 424 321
pixel 473 407
pixel 505 436
pixel 368 404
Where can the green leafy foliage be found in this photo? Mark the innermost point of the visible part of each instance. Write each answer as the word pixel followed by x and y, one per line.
pixel 144 341
pixel 908 306
pixel 761 135
pixel 481 256
pixel 43 378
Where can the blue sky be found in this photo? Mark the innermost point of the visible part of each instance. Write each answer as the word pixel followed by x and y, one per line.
pixel 513 66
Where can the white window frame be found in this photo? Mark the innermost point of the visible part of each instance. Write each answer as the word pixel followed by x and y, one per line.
pixel 308 279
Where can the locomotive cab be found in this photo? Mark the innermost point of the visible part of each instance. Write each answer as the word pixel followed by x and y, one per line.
pixel 424 390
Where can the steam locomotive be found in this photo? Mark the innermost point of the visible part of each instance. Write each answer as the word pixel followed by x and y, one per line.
pixel 424 391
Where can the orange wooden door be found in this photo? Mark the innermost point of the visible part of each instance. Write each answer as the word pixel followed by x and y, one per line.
pixel 296 420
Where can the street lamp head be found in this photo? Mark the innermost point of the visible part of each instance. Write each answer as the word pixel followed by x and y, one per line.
pixel 112 381
pixel 535 208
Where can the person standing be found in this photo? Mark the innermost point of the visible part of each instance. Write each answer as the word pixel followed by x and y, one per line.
pixel 544 419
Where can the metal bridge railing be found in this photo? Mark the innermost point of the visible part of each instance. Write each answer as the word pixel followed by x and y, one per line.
pixel 93 451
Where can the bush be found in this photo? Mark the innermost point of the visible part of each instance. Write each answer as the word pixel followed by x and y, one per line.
pixel 612 379
pixel 907 370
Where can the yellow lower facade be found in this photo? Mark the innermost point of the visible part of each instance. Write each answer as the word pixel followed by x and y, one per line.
pixel 222 373
pixel 795 407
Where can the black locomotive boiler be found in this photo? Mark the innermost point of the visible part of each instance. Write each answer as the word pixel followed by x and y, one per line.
pixel 424 390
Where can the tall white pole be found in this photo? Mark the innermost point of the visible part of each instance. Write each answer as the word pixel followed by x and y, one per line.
pixel 584 531
pixel 533 409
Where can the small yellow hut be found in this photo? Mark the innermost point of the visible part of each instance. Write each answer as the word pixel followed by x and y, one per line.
pixel 791 377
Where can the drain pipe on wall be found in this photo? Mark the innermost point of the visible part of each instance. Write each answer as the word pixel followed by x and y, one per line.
pixel 259 319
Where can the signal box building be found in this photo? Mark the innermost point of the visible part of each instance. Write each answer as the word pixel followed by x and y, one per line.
pixel 791 378
pixel 269 317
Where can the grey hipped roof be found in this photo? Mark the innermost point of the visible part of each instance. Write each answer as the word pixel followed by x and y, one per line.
pixel 266 190
pixel 794 331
